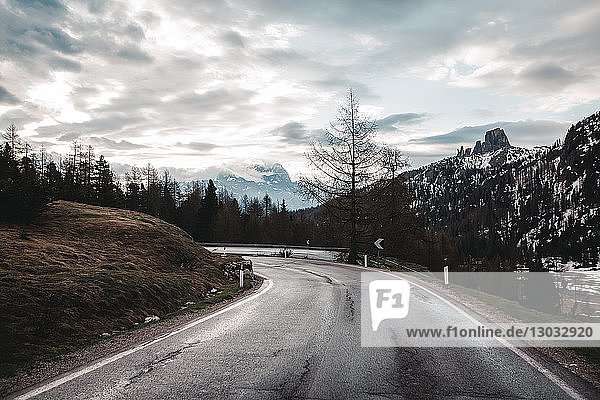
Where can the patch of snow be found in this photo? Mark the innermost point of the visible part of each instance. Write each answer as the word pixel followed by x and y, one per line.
pixel 151 318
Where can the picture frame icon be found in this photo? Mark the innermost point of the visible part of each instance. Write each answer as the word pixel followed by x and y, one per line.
pixel 388 299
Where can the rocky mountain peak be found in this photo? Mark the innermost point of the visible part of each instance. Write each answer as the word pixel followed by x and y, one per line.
pixel 495 139
pixel 256 180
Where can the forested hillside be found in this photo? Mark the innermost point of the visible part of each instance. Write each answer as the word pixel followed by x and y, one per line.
pixel 30 178
pixel 509 205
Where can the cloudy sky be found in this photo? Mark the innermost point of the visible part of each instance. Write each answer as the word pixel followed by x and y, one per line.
pixel 198 84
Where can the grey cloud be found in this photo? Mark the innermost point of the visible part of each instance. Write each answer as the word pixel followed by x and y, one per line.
pixel 342 84
pixel 413 33
pixel 64 64
pixel 35 30
pixel 31 36
pixel 213 12
pixel 134 100
pixel 44 5
pixel 280 57
pixel 466 134
pixel 562 49
pixel 393 121
pixel 68 137
pixel 6 97
pixel 499 77
pixel 293 132
pixel 182 63
pixel 37 144
pixel 96 6
pixel 54 39
pixel 111 144
pixel 337 12
pixel 81 95
pixel 149 18
pixel 231 106
pixel 20 116
pixel 233 38
pixel 296 133
pixel 134 54
pixel 482 113
pixel 213 99
pixel 202 147
pixel 549 77
pixel 135 32
pixel 106 124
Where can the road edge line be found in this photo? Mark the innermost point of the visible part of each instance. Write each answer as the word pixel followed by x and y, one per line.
pixel 109 360
pixel 528 359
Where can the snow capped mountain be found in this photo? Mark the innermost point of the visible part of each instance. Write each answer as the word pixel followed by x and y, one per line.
pixel 257 180
pixel 500 200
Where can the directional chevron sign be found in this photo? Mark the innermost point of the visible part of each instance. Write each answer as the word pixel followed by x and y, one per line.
pixel 378 243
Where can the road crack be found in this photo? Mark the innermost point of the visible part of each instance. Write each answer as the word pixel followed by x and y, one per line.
pixel 292 389
pixel 328 279
pixel 350 305
pixel 155 363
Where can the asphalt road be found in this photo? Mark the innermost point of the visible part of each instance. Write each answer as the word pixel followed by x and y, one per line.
pixel 299 337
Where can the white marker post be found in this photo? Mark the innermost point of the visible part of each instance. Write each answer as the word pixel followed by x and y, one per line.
pixel 242 276
pixel 365 261
pixel 445 271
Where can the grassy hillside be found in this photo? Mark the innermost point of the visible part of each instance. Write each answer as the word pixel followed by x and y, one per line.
pixel 78 271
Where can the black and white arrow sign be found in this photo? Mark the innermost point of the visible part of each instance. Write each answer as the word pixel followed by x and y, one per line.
pixel 378 243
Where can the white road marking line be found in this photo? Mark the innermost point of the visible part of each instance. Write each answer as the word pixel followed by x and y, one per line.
pixel 303 271
pixel 331 278
pixel 118 356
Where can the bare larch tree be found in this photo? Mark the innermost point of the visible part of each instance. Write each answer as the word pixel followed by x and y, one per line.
pixel 346 163
pixel 12 137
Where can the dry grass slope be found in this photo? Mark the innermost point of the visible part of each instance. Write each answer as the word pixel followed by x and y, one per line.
pixel 78 271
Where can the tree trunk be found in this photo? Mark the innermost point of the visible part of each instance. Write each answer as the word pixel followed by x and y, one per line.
pixel 352 255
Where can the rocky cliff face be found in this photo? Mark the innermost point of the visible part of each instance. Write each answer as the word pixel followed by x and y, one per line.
pixel 495 139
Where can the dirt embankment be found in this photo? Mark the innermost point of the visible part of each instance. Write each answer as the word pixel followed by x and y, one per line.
pixel 79 272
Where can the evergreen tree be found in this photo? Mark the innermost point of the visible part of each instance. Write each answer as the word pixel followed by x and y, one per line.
pixel 107 192
pixel 133 190
pixel 229 221
pixel 54 182
pixel 22 195
pixel 167 202
pixel 208 214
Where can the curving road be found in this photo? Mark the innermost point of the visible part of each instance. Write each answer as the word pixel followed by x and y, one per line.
pixel 299 337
